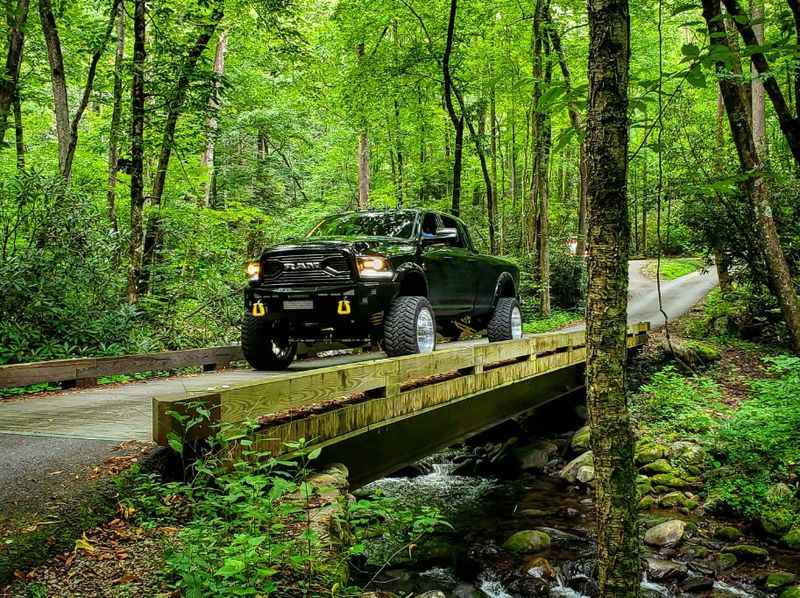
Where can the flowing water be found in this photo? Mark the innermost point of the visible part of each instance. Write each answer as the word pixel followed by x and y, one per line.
pixel 485 511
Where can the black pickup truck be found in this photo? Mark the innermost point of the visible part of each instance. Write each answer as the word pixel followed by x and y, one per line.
pixel 395 277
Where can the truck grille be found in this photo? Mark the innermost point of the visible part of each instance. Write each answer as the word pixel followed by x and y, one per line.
pixel 306 269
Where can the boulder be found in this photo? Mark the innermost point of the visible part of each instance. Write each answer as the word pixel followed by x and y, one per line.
pixel 663 570
pixel 776 521
pixel 697 585
pixel 792 538
pixel 432 594
pixel 747 552
pixel 725 560
pixel 570 471
pixel 585 474
pixel 644 485
pixel 793 592
pixel 580 440
pixel 692 352
pixel 646 502
pixel 647 452
pixel 658 466
pixel 535 456
pixel 727 533
pixel 677 499
pixel 539 567
pixel 669 480
pixel 527 541
pixel 779 579
pixel 465 590
pixel 532 513
pixel 668 533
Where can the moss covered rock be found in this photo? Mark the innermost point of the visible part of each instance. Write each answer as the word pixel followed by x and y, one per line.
pixel 646 502
pixel 580 440
pixel 527 541
pixel 793 592
pixel 647 452
pixel 677 499
pixel 570 471
pixel 669 480
pixel 658 466
pixel 727 533
pixel 748 552
pixel 792 538
pixel 779 579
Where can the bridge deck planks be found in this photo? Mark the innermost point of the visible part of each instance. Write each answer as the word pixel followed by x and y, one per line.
pixel 435 379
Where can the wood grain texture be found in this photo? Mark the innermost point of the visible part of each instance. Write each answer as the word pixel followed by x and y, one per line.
pixel 87 368
pixel 471 370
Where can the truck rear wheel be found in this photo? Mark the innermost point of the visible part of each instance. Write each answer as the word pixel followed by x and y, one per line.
pixel 409 327
pixel 506 322
pixel 263 348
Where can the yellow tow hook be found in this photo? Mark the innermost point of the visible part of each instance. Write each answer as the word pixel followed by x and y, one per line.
pixel 259 310
pixel 344 307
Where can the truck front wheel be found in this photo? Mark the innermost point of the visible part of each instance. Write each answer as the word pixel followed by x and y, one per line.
pixel 263 347
pixel 506 322
pixel 409 327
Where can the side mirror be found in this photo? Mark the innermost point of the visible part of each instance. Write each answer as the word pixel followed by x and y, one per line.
pixel 444 236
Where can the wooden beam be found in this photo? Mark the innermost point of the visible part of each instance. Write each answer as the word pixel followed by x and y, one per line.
pixel 84 371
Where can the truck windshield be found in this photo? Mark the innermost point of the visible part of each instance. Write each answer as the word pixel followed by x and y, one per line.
pixel 366 224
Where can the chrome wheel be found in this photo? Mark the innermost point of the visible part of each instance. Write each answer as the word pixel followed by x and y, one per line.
pixel 426 331
pixel 516 323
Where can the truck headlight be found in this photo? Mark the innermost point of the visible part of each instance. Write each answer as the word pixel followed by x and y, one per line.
pixel 253 270
pixel 372 266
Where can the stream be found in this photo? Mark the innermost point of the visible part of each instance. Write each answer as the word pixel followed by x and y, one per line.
pixel 485 510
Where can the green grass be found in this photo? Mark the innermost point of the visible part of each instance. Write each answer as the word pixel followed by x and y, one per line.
pixel 674 267
pixel 558 319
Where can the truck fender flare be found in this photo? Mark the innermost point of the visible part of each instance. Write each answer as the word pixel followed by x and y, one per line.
pixel 504 282
pixel 410 273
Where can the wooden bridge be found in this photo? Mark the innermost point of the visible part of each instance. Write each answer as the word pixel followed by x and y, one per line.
pixel 378 416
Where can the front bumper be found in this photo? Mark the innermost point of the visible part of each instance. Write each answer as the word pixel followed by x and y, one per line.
pixel 321 318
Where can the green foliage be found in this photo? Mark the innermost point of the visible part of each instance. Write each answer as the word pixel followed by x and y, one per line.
pixel 759 445
pixel 673 404
pixel 558 319
pixel 672 268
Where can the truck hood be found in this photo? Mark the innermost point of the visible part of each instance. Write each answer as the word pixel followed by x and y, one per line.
pixel 382 245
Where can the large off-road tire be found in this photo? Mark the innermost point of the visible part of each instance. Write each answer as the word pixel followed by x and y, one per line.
pixel 263 348
pixel 506 321
pixel 409 327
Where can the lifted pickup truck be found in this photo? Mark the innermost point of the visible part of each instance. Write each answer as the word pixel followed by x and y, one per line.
pixel 391 277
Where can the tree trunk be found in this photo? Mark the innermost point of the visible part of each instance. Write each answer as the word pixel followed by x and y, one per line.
pixel 720 257
pixel 152 239
pixel 15 21
pixel 543 227
pixel 795 6
pixel 18 134
pixel 789 124
pixel 577 123
pixel 212 124
pixel 363 152
pixel 116 117
pixel 137 151
pixel 612 437
pixel 756 184
pixel 491 202
pixel 457 120
pixel 759 115
pixel 66 130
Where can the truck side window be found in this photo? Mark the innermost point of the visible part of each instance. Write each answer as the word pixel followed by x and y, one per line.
pixel 448 222
pixel 429 225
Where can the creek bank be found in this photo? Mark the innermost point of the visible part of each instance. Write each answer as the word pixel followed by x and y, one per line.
pixel 535 478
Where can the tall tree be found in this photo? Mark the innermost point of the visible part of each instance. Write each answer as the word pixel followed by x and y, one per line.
pixel 455 118
pixel 363 150
pixel 152 238
pixel 790 125
pixel 759 114
pixel 755 185
pixel 576 120
pixel 16 16
pixel 612 437
pixel 66 129
pixel 116 118
pixel 137 152
pixel 212 123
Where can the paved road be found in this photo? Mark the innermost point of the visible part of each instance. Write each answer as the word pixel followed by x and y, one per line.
pixel 110 414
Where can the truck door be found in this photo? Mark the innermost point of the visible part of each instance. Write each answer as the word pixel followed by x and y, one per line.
pixel 448 266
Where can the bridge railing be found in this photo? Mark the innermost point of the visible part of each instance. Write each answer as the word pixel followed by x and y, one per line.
pixel 85 371
pixel 369 393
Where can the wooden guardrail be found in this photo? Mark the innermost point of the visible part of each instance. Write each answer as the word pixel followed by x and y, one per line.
pixel 85 371
pixel 327 403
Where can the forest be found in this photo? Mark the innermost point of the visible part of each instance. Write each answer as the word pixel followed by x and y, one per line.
pixel 141 168
pixel 150 148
